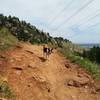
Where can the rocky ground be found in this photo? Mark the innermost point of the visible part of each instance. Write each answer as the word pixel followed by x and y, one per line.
pixel 32 77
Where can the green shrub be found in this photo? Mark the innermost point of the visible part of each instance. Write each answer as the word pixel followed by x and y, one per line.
pixel 5 91
pixel 93 54
pixel 6 39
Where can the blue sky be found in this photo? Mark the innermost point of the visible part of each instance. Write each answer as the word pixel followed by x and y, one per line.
pixel 77 20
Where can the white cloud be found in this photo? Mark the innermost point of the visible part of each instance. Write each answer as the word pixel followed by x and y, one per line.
pixel 41 13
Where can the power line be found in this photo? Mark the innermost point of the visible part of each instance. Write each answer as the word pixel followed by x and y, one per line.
pixel 86 18
pixel 93 17
pixel 74 14
pixel 94 25
pixel 58 15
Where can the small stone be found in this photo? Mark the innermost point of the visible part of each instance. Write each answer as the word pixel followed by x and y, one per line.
pixel 18 72
pixel 98 90
pixel 30 66
pixel 67 65
pixel 48 90
pixel 93 90
pixel 70 83
pixel 12 60
pixel 86 87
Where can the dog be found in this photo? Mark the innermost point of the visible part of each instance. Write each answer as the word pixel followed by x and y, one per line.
pixel 47 51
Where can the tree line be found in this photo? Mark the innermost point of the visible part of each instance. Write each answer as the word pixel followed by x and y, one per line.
pixel 27 32
pixel 93 54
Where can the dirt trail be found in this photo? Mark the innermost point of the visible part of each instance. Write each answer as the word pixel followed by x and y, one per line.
pixel 34 78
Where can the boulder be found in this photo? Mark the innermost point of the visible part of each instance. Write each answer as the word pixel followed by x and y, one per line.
pixel 78 82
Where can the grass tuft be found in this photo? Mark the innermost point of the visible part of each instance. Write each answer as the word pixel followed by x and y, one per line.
pixel 6 92
pixel 6 39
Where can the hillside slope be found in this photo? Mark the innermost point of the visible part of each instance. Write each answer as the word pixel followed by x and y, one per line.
pixel 7 40
pixel 33 78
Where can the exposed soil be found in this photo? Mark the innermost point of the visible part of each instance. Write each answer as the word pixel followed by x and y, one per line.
pixel 32 77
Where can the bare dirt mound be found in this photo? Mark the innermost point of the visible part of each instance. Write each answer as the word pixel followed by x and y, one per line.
pixel 34 78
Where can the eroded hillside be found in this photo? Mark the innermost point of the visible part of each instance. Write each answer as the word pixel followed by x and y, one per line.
pixel 31 77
